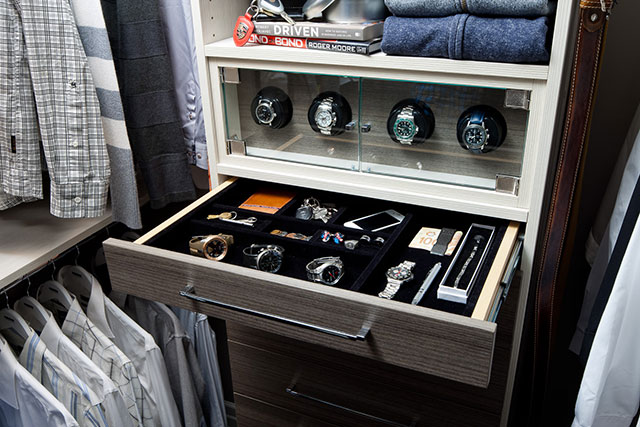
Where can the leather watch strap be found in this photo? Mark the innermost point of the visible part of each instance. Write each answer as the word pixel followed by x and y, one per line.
pixel 549 285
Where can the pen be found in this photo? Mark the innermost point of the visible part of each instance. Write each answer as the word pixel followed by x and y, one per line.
pixel 427 282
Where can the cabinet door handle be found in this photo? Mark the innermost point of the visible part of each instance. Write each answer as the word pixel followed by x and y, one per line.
pixel 189 292
pixel 292 391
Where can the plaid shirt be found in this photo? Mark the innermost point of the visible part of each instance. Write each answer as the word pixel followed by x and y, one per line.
pixel 58 378
pixel 47 94
pixel 110 359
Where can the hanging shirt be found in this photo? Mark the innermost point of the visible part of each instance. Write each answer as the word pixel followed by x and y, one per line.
pixel 178 28
pixel 197 327
pixel 41 36
pixel 110 399
pixel 185 376
pixel 58 378
pixel 113 362
pixel 24 402
pixel 132 339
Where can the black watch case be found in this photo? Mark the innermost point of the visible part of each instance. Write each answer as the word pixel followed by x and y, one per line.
pixel 423 118
pixel 272 100
pixel 340 107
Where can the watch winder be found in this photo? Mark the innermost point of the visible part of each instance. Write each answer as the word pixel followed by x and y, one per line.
pixel 481 129
pixel 329 114
pixel 410 122
pixel 272 107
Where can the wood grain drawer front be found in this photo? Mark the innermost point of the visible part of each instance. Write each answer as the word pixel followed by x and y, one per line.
pixel 341 396
pixel 254 413
pixel 429 341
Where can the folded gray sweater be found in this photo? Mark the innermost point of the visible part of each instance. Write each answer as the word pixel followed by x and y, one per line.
pixel 424 8
pixel 468 37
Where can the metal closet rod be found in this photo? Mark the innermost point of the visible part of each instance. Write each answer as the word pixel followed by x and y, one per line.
pixel 77 248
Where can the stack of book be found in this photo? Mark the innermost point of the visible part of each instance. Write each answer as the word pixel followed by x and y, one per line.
pixel 361 39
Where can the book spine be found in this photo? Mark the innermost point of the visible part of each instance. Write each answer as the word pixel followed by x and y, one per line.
pixel 309 31
pixel 326 45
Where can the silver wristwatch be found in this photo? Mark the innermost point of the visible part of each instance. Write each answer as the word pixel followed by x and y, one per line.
pixel 265 113
pixel 396 276
pixel 405 128
pixel 328 270
pixel 325 117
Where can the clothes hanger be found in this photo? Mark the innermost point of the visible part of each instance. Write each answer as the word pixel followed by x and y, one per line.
pixel 54 297
pixel 33 312
pixel 14 328
pixel 78 281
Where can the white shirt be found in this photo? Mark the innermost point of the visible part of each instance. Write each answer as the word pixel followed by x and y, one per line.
pixel 134 341
pixel 112 402
pixel 24 402
pixel 610 390
pixel 58 378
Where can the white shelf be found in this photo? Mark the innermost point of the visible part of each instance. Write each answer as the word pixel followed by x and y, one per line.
pixel 226 49
pixel 30 237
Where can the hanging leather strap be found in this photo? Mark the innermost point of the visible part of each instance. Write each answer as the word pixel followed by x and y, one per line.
pixel 549 289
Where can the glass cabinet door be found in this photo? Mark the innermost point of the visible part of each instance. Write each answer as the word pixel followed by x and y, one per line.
pixel 301 118
pixel 445 133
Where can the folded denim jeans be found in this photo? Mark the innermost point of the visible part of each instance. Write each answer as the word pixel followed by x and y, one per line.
pixel 429 8
pixel 471 37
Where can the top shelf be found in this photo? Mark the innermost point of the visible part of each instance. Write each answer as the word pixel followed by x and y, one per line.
pixel 226 49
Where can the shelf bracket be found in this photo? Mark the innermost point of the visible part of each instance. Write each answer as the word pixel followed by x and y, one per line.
pixel 507 184
pixel 237 147
pixel 517 99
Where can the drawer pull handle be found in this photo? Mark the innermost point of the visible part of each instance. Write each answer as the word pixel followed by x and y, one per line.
pixel 292 391
pixel 189 292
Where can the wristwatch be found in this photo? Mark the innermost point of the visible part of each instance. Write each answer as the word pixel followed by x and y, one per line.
pixel 481 129
pixel 214 247
pixel 475 134
pixel 396 277
pixel 410 122
pixel 265 113
pixel 264 257
pixel 328 270
pixel 405 128
pixel 329 113
pixel 272 107
pixel 325 117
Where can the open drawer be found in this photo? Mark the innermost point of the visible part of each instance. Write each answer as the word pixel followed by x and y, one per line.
pixel 437 337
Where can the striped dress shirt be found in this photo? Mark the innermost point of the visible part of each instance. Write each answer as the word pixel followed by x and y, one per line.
pixel 58 378
pixel 42 59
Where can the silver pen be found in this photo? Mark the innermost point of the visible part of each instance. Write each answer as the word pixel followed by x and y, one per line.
pixel 427 282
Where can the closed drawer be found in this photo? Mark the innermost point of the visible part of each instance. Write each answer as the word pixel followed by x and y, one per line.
pixel 254 413
pixel 342 395
pixel 453 341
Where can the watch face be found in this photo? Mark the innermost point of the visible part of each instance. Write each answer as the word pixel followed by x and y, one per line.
pixel 331 274
pixel 398 273
pixel 270 261
pixel 264 114
pixel 324 119
pixel 475 136
pixel 215 249
pixel 405 129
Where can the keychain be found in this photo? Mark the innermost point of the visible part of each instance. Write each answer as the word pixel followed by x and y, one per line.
pixel 245 26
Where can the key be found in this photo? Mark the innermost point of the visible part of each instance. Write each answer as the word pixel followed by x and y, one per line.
pixel 244 26
pixel 274 8
pixel 248 222
pixel 223 215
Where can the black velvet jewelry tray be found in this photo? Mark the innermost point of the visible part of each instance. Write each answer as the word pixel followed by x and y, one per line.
pixel 365 267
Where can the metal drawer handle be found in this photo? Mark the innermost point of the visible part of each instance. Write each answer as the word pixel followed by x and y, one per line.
pixel 291 390
pixel 189 292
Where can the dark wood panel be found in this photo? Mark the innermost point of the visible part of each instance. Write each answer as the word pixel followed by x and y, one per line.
pixel 417 338
pixel 254 413
pixel 345 396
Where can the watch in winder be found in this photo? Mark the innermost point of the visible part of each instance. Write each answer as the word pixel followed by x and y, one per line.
pixel 214 247
pixel 272 107
pixel 264 257
pixel 481 129
pixel 410 122
pixel 327 270
pixel 329 114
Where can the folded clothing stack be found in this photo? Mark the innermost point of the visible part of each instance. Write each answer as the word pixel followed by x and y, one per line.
pixel 508 31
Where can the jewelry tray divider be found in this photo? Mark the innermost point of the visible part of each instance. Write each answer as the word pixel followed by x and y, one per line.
pixel 365 267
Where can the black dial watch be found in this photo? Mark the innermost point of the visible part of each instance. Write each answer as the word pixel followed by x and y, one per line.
pixel 214 247
pixel 327 270
pixel 272 107
pixel 410 122
pixel 264 257
pixel 329 114
pixel 396 277
pixel 481 129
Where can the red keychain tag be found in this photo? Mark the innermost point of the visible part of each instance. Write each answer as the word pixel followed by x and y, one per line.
pixel 244 27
